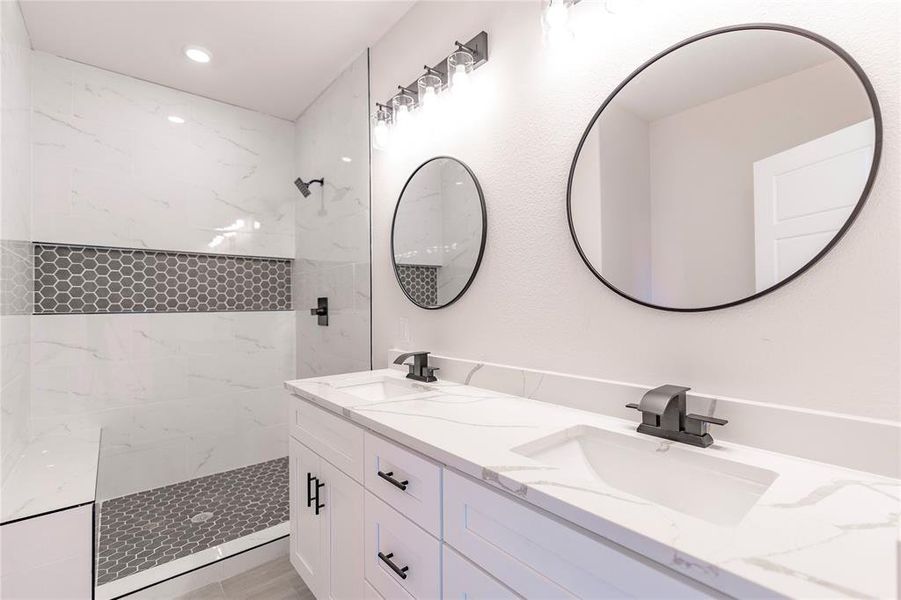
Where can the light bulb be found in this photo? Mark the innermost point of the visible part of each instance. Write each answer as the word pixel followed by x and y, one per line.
pixel 429 98
pixel 556 22
pixel 403 114
pixel 381 135
pixel 557 14
pixel 460 79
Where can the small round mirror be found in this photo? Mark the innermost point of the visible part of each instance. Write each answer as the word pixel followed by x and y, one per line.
pixel 438 232
pixel 724 167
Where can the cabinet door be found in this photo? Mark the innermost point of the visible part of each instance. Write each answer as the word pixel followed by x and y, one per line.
pixel 308 552
pixel 464 581
pixel 342 521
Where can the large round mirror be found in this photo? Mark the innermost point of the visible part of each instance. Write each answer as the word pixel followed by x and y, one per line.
pixel 438 233
pixel 724 167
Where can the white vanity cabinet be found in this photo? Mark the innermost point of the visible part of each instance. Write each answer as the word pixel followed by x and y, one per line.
pixel 326 504
pixel 402 526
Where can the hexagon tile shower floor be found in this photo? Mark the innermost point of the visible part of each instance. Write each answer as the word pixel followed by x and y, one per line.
pixel 150 528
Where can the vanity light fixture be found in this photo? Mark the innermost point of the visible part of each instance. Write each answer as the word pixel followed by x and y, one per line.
pixel 428 87
pixel 402 106
pixel 381 134
pixel 198 54
pixel 176 119
pixel 555 22
pixel 459 66
pixel 452 72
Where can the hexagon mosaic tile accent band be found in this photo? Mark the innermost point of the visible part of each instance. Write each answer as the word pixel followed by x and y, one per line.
pixel 150 528
pixel 90 279
pixel 420 282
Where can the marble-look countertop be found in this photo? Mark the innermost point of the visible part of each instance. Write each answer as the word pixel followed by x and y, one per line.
pixel 817 531
pixel 54 472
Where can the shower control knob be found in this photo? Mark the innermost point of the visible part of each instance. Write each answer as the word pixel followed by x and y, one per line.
pixel 321 311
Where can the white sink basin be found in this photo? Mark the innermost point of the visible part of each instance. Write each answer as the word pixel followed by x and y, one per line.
pixel 695 483
pixel 384 388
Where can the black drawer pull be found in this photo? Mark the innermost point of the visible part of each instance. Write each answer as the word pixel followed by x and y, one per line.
pixel 401 485
pixel 310 479
pixel 401 571
pixel 319 486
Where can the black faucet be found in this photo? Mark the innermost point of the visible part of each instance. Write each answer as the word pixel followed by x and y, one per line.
pixel 663 415
pixel 420 369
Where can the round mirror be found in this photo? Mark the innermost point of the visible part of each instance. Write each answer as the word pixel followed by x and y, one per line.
pixel 438 232
pixel 724 167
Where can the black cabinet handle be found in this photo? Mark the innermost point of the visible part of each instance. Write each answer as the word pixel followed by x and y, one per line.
pixel 319 486
pixel 401 485
pixel 310 479
pixel 400 571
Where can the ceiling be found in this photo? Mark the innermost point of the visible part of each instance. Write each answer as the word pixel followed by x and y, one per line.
pixel 719 66
pixel 274 57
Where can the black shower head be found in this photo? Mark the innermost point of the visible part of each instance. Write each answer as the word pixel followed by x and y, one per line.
pixel 304 186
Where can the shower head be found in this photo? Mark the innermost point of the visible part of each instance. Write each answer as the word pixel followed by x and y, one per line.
pixel 304 186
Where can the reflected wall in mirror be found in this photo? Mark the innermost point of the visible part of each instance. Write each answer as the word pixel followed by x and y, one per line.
pixel 438 232
pixel 724 167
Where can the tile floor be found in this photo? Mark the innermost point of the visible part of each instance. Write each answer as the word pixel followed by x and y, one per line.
pixel 150 528
pixel 275 580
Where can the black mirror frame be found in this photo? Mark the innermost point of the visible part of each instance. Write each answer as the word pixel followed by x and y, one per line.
pixel 877 153
pixel 475 268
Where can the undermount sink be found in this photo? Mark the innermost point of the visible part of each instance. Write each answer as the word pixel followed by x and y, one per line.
pixel 692 482
pixel 384 388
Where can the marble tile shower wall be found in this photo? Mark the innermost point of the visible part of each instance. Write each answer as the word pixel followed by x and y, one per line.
pixel 332 225
pixel 179 395
pixel 15 234
pixel 111 170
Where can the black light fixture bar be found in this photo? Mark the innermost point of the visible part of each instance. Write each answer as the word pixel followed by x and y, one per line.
pixel 477 46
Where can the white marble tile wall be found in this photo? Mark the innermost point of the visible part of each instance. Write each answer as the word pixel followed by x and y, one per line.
pixel 15 230
pixel 332 227
pixel 178 395
pixel 111 169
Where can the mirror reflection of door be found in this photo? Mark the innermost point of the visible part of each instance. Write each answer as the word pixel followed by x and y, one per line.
pixel 803 196
pixel 722 168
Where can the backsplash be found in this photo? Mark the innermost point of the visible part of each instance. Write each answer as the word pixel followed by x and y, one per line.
pixel 868 444
pixel 90 279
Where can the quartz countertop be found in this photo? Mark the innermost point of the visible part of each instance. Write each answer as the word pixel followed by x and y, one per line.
pixel 54 472
pixel 817 530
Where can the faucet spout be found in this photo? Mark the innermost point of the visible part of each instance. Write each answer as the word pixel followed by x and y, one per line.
pixel 419 369
pixel 663 414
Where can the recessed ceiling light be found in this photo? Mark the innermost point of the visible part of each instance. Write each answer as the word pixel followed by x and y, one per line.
pixel 346 158
pixel 198 54
pixel 176 119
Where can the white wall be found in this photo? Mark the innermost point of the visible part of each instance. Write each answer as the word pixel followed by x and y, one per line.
pixel 626 229
pixel 332 226
pixel 707 154
pixel 15 233
pixel 178 395
pixel 827 341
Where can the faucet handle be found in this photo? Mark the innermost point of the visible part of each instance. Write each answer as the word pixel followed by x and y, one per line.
pixel 697 424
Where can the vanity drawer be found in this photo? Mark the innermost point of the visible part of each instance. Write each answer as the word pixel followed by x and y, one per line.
pixel 336 440
pixel 406 481
pixel 462 580
pixel 403 543
pixel 540 557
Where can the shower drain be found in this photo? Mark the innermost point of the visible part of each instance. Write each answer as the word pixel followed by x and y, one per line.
pixel 202 517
